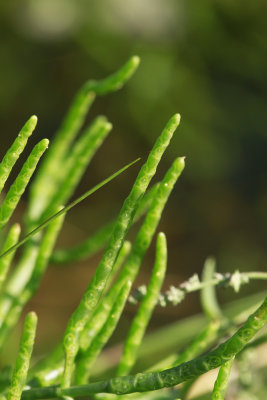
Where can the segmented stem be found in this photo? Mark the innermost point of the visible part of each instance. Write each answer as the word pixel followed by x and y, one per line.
pixel 88 358
pixel 24 356
pixel 97 285
pixel 123 254
pixel 146 308
pixel 200 343
pixel 17 189
pixel 15 150
pixel 157 380
pixel 140 246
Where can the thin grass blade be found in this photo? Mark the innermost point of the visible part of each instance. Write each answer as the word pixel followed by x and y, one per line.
pixel 96 242
pixel 66 209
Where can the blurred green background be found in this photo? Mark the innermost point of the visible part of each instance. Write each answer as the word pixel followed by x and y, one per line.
pixel 206 60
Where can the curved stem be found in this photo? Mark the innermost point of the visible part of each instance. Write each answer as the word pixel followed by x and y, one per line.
pixel 153 381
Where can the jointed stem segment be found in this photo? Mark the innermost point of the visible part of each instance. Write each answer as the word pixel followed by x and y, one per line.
pixel 221 383
pixel 153 381
pixel 97 285
pixel 15 150
pixel 17 189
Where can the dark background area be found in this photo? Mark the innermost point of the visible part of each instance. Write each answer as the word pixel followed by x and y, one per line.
pixel 206 60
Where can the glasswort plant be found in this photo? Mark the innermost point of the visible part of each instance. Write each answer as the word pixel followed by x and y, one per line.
pixel 65 372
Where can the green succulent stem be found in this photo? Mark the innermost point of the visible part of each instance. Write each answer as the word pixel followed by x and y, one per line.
pixel 221 382
pixel 140 246
pixel 12 155
pixel 147 306
pixel 157 380
pixel 12 314
pixel 19 377
pixel 208 294
pixel 97 285
pixel 88 358
pixel 17 189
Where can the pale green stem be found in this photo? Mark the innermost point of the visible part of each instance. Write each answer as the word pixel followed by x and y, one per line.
pixel 146 308
pixel 208 294
pixel 49 175
pixel 221 383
